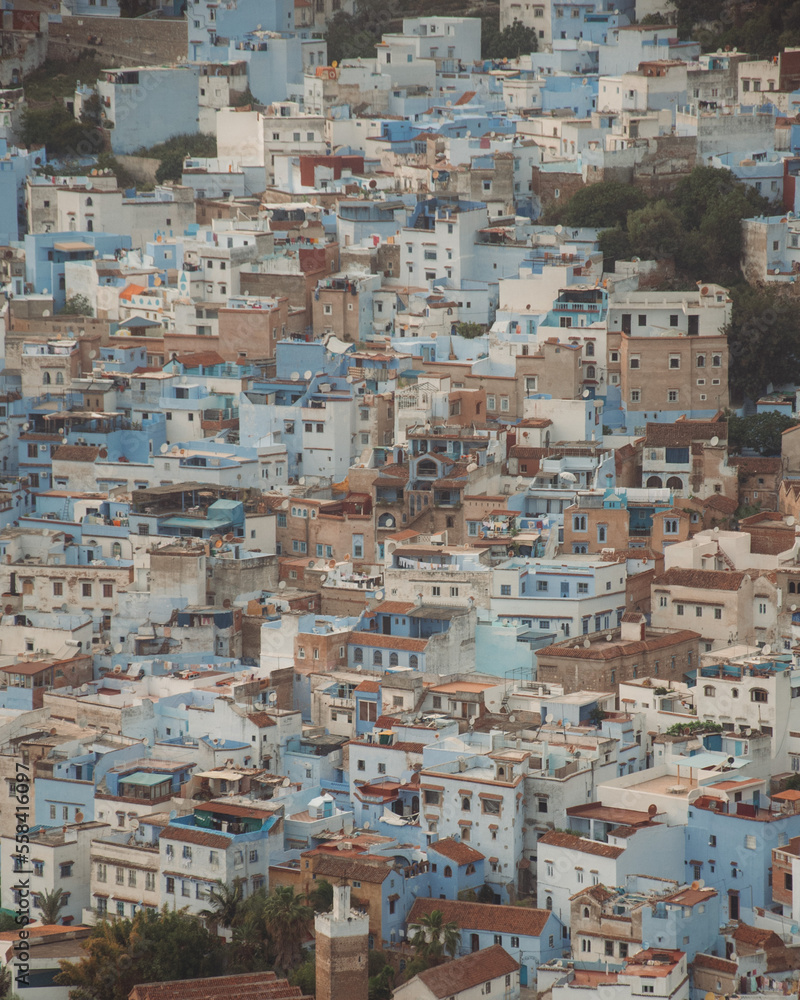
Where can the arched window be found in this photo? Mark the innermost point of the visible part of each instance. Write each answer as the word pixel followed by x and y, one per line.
pixel 589 349
pixel 393 659
pixel 427 467
pixel 358 655
pixel 675 483
pixel 590 371
pixel 709 691
pixel 89 202
pixel 59 378
pixel 548 903
pixel 377 658
pixel 586 911
pixel 46 378
pixel 448 871
pixel 734 692
pixel 792 588
pixel 116 550
pixel 760 695
pixel 466 804
pixel 654 482
pixel 413 661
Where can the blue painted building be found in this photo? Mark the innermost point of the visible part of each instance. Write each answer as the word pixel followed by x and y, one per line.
pixel 47 253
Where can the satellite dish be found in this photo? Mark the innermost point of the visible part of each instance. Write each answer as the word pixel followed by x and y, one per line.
pixel 323 578
pixel 586 643
pixel 512 718
pixel 84 688
pixel 700 883
pixel 134 824
pixel 609 638
pixel 88 185
pixel 558 229
pixel 789 519
pixel 65 440
pixel 285 783
pixel 307 374
pixel 585 393
pixel 379 595
pixel 549 718
pixel 164 449
pixel 25 427
pixel 118 649
pixel 766 650
pixel 295 376
pixel 273 697
pixel 366 824
pixel 714 441
pixel 302 480
pixel 282 585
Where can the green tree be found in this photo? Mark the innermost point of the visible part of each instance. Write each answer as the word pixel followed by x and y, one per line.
pixel 148 948
pixel 225 904
pixel 288 921
pixel 54 128
pixel 615 245
pixel 602 206
pixel 486 894
pixel 51 903
pixel 321 897
pixel 380 986
pixel 513 41
pixel 305 975
pixel 434 938
pixel 762 340
pixel 78 305
pixel 655 231
pixel 760 432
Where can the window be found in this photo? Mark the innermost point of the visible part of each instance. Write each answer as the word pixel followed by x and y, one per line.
pixel 86 590
pixel 672 395
pixel 635 361
pixel 102 873
pixel 58 588
pixel 674 361
pixel 678 609
pixel 636 395
pixel 759 695
pixel 505 590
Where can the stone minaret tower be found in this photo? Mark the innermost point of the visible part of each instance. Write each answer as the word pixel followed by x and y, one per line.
pixel 342 948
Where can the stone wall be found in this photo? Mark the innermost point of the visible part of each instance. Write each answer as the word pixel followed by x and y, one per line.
pixel 123 40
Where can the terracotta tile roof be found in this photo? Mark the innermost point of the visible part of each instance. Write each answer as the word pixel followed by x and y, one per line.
pixel 76 453
pixel 469 971
pixel 598 892
pixel 370 686
pixel 757 937
pixel 633 618
pixel 196 835
pixel 619 647
pixel 681 433
pixel 573 843
pixel 700 579
pixel 375 640
pixel 248 986
pixel 362 871
pixel 261 719
pixel 515 920
pixel 204 359
pixel 755 463
pixel 715 963
pixel 725 505
pixel 130 290
pixel 456 851
pixel 394 608
pixel 404 747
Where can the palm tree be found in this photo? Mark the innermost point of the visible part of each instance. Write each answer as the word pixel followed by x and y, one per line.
pixel 288 922
pixel 226 902
pixel 321 896
pixel 51 903
pixel 433 938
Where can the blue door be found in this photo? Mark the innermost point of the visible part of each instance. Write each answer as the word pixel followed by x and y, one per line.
pixel 523 975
